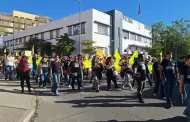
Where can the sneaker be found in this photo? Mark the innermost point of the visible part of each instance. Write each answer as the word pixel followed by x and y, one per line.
pixel 97 90
pixel 69 86
pixel 154 94
pixel 108 89
pixel 141 101
pixel 118 89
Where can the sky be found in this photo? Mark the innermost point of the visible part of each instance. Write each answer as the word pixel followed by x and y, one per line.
pixel 152 11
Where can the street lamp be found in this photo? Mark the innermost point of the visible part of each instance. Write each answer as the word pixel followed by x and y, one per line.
pixel 79 9
pixel 13 33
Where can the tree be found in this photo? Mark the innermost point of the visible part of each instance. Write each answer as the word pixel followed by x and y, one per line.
pixel 40 46
pixel 171 38
pixel 65 45
pixel 88 46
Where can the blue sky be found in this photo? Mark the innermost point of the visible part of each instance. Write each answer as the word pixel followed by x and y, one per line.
pixel 151 10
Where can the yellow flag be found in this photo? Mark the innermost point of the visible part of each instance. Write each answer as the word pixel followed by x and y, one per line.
pixel 86 57
pixel 131 60
pixel 30 60
pixel 5 50
pixel 150 68
pixel 117 59
pixel 117 55
pixel 39 60
pixel 160 54
pixel 17 54
pixel 108 55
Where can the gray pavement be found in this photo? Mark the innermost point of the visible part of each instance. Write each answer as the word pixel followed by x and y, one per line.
pixel 106 106
pixel 14 105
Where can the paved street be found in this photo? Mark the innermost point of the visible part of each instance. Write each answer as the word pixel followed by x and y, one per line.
pixel 14 105
pixel 106 106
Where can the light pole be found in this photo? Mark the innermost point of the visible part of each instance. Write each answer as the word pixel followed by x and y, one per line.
pixel 13 33
pixel 79 9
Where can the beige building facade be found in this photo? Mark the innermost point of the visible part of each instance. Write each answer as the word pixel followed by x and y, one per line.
pixel 19 21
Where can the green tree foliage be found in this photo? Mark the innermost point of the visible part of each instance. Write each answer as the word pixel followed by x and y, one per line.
pixel 174 37
pixel 88 47
pixel 40 46
pixel 65 45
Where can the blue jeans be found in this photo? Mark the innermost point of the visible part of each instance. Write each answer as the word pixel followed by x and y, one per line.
pixel 169 86
pixel 33 71
pixel 56 81
pixel 8 71
pixel 43 78
pixel 79 80
pixel 66 77
pixel 187 99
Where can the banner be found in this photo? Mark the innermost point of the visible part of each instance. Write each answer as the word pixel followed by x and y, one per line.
pixel 28 53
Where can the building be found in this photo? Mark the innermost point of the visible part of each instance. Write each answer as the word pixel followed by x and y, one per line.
pixel 127 34
pixel 110 30
pixel 19 21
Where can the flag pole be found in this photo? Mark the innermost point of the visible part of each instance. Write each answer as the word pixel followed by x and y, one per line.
pixel 139 9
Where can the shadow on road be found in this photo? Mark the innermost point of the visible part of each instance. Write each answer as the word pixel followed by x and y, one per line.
pixel 174 119
pixel 116 101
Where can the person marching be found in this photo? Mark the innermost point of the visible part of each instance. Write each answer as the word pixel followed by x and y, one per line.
pixel 185 84
pixel 111 74
pixel 24 69
pixel 95 69
pixel 140 76
pixel 168 74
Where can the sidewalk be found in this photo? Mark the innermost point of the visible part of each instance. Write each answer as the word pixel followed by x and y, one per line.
pixel 14 105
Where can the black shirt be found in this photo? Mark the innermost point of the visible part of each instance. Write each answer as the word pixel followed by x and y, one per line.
pixel 169 69
pixel 141 70
pixel 56 67
pixel 76 68
pixel 109 72
pixel 181 65
pixel 156 69
pixel 45 67
pixel 186 73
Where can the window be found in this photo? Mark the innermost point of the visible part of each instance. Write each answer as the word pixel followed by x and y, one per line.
pixel 82 28
pixel 139 38
pixel 51 34
pixel 24 40
pixel 76 30
pixel 57 33
pixel 42 35
pixel 20 41
pixel 102 29
pixel 133 36
pixel 36 35
pixel 126 34
pixel 30 36
pixel 17 41
pixel 70 30
pixel 144 39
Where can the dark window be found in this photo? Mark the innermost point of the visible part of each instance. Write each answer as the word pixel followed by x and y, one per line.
pixel 51 34
pixel 70 30
pixel 57 33
pixel 82 28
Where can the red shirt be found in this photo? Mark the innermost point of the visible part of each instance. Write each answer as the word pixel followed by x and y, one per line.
pixel 24 65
